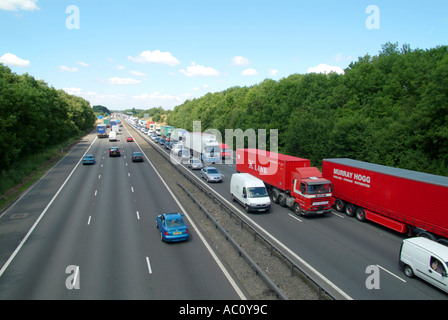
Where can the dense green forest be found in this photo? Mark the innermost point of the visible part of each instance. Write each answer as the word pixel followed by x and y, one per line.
pixel 389 109
pixel 35 117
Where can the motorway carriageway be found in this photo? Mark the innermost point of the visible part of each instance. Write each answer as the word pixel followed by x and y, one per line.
pixel 340 249
pixel 89 232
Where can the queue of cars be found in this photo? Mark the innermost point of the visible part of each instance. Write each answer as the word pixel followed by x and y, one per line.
pixel 171 226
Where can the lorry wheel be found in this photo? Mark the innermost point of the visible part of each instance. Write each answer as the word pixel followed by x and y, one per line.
pixel 340 205
pixel 296 209
pixel 360 214
pixel 282 200
pixel 350 209
pixel 275 197
pixel 408 271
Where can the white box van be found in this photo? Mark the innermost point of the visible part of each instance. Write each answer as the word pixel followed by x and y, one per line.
pixel 425 259
pixel 112 136
pixel 250 192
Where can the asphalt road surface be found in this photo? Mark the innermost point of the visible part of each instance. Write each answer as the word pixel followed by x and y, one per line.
pixel 89 232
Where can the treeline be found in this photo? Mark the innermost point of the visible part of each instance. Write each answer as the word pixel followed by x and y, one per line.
pixel 389 109
pixel 34 116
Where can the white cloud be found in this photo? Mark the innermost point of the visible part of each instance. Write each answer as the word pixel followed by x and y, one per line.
pixel 124 81
pixel 67 69
pixel 82 63
pixel 73 90
pixel 325 68
pixel 137 73
pixel 341 58
pixel 240 61
pixel 156 57
pixel 273 72
pixel 13 60
pixel 15 5
pixel 196 70
pixel 249 72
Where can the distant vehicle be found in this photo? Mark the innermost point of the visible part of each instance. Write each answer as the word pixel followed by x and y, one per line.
pixel 88 159
pixel 195 164
pixel 172 227
pixel 162 141
pixel 112 136
pixel 137 157
pixel 129 139
pixel 184 154
pixel 226 153
pixel 425 259
pixel 156 139
pixel 177 147
pixel 211 174
pixel 250 192
pixel 202 145
pixel 168 145
pixel 114 152
pixel 101 130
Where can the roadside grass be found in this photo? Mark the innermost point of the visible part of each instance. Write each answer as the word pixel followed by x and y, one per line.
pixel 27 171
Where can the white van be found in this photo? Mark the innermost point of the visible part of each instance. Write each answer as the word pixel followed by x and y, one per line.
pixel 425 259
pixel 250 192
pixel 112 136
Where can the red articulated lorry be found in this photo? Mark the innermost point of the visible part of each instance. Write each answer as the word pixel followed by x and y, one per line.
pixel 290 180
pixel 402 200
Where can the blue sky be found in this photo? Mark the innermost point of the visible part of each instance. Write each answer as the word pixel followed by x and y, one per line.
pixel 146 54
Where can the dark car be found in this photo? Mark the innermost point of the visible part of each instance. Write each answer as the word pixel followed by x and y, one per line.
pixel 162 141
pixel 172 227
pixel 168 145
pixel 114 152
pixel 137 157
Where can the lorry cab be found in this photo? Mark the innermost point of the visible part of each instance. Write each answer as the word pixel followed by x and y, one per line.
pixel 311 192
pixel 425 259
pixel 250 192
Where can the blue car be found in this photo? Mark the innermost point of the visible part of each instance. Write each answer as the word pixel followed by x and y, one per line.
pixel 172 227
pixel 88 159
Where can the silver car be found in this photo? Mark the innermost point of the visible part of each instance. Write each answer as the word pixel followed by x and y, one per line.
pixel 195 164
pixel 211 174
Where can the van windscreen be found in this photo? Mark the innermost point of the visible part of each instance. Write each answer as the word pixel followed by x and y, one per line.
pixel 257 192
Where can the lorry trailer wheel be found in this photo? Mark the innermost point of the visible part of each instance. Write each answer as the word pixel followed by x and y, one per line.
pixel 340 205
pixel 350 209
pixel 360 214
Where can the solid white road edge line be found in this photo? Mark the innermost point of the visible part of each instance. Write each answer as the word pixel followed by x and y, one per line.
pixel 204 241
pixel 13 255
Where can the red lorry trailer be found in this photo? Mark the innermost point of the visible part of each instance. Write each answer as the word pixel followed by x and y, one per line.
pixel 290 180
pixel 402 200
